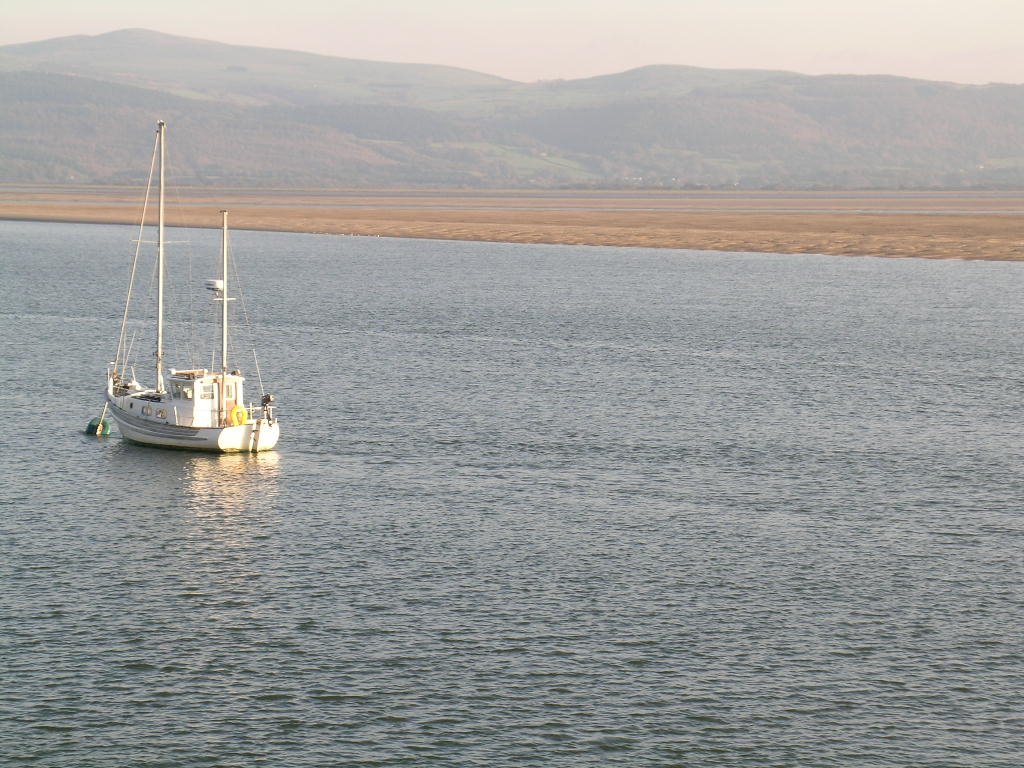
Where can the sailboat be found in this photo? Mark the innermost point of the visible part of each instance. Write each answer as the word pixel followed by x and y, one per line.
pixel 196 408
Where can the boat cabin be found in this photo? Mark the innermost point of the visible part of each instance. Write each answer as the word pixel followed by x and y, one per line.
pixel 202 398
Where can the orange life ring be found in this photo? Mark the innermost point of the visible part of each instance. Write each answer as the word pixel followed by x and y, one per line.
pixel 238 415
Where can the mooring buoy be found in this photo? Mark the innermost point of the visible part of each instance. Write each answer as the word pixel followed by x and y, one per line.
pixel 98 427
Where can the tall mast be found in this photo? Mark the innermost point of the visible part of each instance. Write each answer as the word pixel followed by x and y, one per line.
pixel 161 127
pixel 223 313
pixel 224 303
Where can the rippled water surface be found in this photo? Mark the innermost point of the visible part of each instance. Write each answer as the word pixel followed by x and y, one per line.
pixel 532 506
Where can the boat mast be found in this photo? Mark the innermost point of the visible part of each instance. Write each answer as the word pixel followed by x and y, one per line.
pixel 223 309
pixel 161 130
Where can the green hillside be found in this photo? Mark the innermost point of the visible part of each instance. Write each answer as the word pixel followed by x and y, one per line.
pixel 82 109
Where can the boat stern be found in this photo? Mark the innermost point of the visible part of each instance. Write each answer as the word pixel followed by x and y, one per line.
pixel 258 435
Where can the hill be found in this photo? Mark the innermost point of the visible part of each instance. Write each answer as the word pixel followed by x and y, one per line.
pixel 82 109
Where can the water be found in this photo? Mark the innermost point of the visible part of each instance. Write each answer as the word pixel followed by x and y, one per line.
pixel 533 506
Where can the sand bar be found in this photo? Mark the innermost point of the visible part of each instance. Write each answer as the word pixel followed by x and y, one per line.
pixel 936 225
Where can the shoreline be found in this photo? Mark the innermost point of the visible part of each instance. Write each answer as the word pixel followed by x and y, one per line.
pixel 933 225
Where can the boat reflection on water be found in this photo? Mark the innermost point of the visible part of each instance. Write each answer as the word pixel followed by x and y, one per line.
pixel 231 483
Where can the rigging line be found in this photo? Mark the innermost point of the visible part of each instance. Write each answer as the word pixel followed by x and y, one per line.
pixel 211 321
pixel 135 260
pixel 128 351
pixel 180 323
pixel 192 343
pixel 188 323
pixel 248 324
pixel 176 325
pixel 259 376
pixel 184 327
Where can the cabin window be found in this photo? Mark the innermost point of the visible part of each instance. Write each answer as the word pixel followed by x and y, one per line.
pixel 181 391
pixel 229 391
pixel 207 392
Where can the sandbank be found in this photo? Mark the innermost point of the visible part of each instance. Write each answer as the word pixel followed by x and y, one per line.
pixel 933 225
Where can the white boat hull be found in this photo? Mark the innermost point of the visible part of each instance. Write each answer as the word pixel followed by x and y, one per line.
pixel 256 435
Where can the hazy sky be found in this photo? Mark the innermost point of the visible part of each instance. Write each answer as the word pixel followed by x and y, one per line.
pixel 968 41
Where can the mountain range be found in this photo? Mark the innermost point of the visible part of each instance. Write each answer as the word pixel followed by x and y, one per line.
pixel 82 109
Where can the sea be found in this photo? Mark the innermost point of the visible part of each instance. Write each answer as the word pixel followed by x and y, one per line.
pixel 533 505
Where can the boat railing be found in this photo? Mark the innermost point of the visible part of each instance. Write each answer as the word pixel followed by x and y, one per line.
pixel 259 411
pixel 255 412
